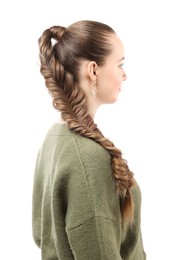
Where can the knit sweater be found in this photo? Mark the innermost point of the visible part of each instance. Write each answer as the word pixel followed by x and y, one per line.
pixel 75 211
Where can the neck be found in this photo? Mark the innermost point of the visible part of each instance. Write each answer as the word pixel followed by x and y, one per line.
pixel 92 108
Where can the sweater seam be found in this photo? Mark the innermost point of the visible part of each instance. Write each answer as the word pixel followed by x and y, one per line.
pixel 92 204
pixel 94 217
pixel 91 198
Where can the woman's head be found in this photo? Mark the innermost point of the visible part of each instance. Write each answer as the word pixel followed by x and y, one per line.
pixel 82 68
pixel 85 50
pixel 83 40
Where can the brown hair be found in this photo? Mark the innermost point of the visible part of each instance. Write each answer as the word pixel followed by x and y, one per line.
pixel 60 63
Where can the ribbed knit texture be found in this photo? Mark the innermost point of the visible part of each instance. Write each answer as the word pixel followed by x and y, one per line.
pixel 76 214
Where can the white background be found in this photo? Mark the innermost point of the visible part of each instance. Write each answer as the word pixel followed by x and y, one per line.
pixel 144 123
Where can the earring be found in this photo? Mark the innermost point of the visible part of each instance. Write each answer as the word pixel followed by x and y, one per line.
pixel 93 91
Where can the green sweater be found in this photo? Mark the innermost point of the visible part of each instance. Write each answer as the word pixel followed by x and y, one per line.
pixel 76 214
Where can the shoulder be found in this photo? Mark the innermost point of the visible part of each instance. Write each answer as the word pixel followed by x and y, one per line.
pixel 64 139
pixel 68 152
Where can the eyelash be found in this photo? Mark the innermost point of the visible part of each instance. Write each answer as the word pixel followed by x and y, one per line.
pixel 121 66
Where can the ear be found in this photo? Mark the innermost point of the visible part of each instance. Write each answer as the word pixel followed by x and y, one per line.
pixel 92 70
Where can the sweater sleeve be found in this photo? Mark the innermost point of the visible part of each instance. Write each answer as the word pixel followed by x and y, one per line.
pixel 93 216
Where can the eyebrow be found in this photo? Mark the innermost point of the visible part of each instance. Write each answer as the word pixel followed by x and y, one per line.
pixel 122 59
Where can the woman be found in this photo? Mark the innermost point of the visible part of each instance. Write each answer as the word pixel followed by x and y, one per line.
pixel 86 202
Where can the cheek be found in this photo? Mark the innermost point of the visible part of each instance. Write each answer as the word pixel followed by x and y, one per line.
pixel 111 82
pixel 116 80
pixel 113 78
pixel 108 89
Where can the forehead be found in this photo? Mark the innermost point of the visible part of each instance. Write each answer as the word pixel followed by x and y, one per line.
pixel 117 47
